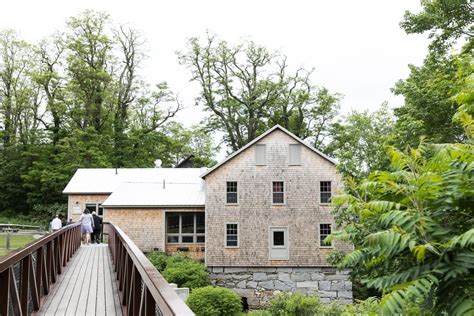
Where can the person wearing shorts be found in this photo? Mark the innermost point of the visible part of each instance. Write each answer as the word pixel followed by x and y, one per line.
pixel 87 225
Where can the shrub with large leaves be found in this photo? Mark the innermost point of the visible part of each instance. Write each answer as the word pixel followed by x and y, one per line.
pixel 413 229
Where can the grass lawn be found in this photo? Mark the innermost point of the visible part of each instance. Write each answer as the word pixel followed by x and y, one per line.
pixel 16 241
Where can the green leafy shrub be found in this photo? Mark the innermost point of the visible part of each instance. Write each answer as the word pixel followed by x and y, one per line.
pixel 369 307
pixel 413 232
pixel 186 273
pixel 333 309
pixel 210 301
pixel 285 304
pixel 159 259
pixel 259 313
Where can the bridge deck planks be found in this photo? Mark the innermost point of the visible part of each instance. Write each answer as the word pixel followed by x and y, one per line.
pixel 86 287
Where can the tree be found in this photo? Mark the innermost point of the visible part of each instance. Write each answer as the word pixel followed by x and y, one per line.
pixel 412 229
pixel 248 88
pixel 446 20
pixel 18 96
pixel 428 110
pixel 76 100
pixel 358 142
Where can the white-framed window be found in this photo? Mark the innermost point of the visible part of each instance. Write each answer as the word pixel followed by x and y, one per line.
pixel 295 154
pixel 185 228
pixel 278 192
pixel 278 243
pixel 324 231
pixel 260 154
pixel 325 191
pixel 232 196
pixel 232 235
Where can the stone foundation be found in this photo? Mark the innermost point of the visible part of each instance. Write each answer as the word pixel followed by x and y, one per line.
pixel 259 285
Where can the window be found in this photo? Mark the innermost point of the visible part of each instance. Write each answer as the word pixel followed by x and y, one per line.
pixel 324 231
pixel 278 238
pixel 95 207
pixel 260 154
pixel 325 191
pixel 232 197
pixel 295 154
pixel 278 192
pixel 232 235
pixel 278 243
pixel 185 228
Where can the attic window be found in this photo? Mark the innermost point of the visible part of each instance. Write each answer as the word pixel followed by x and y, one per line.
pixel 260 155
pixel 295 154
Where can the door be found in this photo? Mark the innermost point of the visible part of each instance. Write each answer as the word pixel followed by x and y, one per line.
pixel 278 243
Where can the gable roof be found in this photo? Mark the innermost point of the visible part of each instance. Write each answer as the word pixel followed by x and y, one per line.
pixel 271 130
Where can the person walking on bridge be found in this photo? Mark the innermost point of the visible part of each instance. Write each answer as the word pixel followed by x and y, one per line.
pixel 87 223
pixel 97 227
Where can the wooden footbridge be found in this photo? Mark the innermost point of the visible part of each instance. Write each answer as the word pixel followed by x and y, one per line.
pixel 55 275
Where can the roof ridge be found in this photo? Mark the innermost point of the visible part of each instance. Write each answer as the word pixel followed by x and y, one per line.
pixel 263 135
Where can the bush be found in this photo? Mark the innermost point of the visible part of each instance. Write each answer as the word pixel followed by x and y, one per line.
pixel 186 273
pixel 210 301
pixel 259 313
pixel 368 307
pixel 285 304
pixel 159 259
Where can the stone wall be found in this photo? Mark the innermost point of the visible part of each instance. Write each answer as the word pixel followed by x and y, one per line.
pixel 260 284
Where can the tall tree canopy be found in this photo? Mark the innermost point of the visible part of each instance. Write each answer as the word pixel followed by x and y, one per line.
pixel 445 20
pixel 76 99
pixel 359 140
pixel 248 88
pixel 429 108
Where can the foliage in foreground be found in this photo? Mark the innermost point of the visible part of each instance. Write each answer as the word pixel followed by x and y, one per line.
pixel 179 269
pixel 295 304
pixel 412 229
pixel 210 301
pixel 289 304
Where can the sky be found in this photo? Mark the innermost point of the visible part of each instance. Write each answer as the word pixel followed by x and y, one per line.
pixel 356 47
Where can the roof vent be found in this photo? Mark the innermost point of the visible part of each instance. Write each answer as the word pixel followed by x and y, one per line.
pixel 158 163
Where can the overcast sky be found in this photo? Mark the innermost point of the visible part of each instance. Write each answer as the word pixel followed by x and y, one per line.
pixel 356 47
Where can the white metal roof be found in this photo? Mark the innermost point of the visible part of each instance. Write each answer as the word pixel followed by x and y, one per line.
pixel 169 194
pixel 96 181
pixel 209 171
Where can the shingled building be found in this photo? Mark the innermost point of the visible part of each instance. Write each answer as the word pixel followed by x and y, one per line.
pixel 258 219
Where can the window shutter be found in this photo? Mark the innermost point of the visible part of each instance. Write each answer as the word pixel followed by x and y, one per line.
pixel 295 154
pixel 260 154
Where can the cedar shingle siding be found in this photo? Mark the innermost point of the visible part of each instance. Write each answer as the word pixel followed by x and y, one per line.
pixel 255 212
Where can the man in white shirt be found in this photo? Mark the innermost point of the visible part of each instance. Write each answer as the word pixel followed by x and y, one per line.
pixel 56 223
